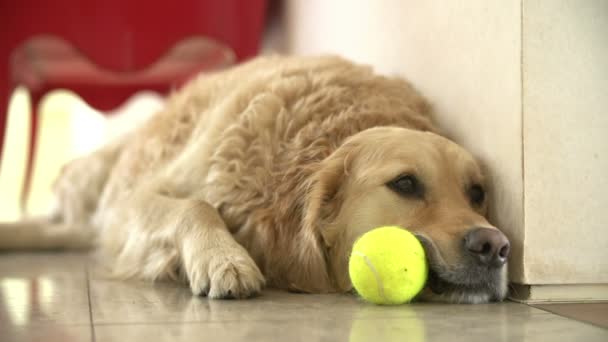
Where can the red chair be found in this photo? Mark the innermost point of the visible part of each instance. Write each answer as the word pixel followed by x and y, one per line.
pixel 105 51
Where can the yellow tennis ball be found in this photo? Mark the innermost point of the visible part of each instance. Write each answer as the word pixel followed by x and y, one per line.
pixel 388 266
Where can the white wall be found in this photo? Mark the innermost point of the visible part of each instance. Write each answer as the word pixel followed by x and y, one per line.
pixel 467 58
pixel 565 100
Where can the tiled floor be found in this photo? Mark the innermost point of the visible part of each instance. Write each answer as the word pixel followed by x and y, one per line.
pixel 595 313
pixel 58 297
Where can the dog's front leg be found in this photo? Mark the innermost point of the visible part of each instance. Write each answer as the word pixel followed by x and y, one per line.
pixel 216 265
pixel 161 234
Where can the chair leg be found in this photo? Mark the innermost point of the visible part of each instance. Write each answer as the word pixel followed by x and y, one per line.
pixel 33 142
pixel 4 97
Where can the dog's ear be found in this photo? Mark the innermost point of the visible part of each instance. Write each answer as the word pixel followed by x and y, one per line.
pixel 323 200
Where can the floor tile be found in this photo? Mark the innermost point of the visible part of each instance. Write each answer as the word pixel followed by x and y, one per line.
pixel 594 313
pixel 45 297
pixel 324 327
pixel 46 333
pixel 40 289
pixel 133 302
pixel 137 302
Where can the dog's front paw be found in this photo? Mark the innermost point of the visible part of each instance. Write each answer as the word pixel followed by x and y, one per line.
pixel 228 274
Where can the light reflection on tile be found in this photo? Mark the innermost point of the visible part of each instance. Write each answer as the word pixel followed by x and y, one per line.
pixel 43 289
pixel 15 298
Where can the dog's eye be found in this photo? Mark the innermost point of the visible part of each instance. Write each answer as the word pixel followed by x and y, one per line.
pixel 406 185
pixel 477 194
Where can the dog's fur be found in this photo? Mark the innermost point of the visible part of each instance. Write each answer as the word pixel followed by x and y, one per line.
pixel 266 174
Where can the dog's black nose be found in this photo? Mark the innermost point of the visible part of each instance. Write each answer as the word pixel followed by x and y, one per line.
pixel 490 246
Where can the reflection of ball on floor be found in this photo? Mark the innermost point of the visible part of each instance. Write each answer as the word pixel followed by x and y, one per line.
pixel 388 266
pixel 407 326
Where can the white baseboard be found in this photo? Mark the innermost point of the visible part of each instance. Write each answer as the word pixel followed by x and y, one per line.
pixel 562 293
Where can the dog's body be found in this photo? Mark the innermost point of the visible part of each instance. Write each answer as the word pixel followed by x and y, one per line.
pixel 267 173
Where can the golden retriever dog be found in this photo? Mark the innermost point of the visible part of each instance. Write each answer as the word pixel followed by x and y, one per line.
pixel 266 174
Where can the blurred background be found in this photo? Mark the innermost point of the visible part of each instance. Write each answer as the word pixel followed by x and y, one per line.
pixel 522 84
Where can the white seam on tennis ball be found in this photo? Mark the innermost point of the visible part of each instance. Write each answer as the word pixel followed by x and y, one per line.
pixel 374 271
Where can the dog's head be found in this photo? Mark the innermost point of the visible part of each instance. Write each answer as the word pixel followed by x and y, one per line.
pixel 425 183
